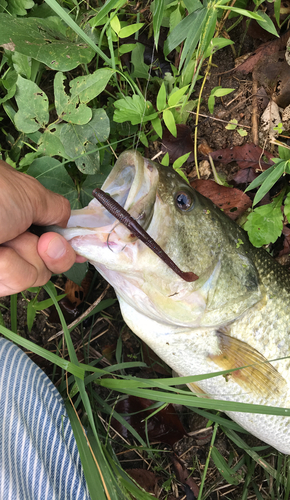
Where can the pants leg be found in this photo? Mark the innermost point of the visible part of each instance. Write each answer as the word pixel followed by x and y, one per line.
pixel 39 459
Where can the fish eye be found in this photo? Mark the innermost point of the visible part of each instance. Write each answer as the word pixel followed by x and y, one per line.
pixel 184 201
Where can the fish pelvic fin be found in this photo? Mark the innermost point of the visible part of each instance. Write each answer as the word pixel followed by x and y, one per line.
pixel 257 375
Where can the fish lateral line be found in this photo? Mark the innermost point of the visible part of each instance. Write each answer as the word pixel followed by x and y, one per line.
pixel 125 218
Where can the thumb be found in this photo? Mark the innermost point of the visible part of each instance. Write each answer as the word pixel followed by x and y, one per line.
pixel 56 252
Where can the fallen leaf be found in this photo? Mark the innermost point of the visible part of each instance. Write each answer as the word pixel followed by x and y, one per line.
pixel 262 53
pixel 269 123
pixel 183 475
pixel 231 200
pixel 145 478
pixel 247 155
pixel 286 243
pixel 178 146
pixel 244 177
pixel 165 426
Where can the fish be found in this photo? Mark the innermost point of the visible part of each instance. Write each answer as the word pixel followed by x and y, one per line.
pixel 234 314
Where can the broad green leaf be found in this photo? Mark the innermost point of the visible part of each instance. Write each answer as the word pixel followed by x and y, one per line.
pixel 176 95
pixel 264 225
pixel 143 139
pixel 158 9
pixel 19 7
pixel 217 44
pixel 284 152
pixel 211 103
pixel 287 207
pixel 134 109
pixel 77 272
pixel 104 11
pixel 53 175
pixel 22 64
pixel 192 5
pixel 232 125
pixel 126 47
pixel 189 26
pixel 175 18
pixel 90 86
pixel 178 164
pixel 267 24
pixel 202 32
pixel 260 179
pixel 115 24
pixel 93 181
pixel 141 70
pixel 80 141
pixel 242 12
pixel 50 144
pixel 32 105
pixel 165 160
pixel 130 30
pixel 156 124
pixel 73 108
pixel 220 92
pixel 270 180
pixel 9 84
pixel 161 98
pixel 68 108
pixel 277 7
pixel 170 122
pixel 77 30
pixel 45 40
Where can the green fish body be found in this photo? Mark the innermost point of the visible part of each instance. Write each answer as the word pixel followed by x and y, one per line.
pixel 234 315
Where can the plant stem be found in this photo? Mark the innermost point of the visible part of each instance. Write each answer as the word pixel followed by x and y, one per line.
pixel 207 460
pixel 13 312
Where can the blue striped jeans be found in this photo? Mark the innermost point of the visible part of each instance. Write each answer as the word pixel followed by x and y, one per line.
pixel 39 459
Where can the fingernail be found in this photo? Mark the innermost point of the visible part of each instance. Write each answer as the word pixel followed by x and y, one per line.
pixel 56 248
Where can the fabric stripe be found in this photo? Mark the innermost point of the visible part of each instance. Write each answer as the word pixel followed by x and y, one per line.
pixel 38 458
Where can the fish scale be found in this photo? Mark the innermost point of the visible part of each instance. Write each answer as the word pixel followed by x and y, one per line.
pixel 235 315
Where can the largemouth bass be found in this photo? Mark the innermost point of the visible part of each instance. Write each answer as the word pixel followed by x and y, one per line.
pixel 235 313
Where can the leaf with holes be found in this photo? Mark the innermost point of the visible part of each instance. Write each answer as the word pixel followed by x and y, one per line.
pixel 45 40
pixel 81 141
pixel 32 105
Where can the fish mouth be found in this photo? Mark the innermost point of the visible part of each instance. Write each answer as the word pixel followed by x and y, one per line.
pixel 133 184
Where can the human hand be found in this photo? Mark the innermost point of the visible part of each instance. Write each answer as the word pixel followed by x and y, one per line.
pixel 25 259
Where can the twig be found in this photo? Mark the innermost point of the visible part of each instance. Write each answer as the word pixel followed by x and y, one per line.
pixel 82 316
pixel 255 114
pixel 219 119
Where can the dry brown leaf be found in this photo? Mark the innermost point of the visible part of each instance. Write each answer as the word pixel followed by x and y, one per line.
pixel 247 155
pixel 263 52
pixel 178 146
pixel 231 200
pixel 145 478
pixel 165 426
pixel 183 475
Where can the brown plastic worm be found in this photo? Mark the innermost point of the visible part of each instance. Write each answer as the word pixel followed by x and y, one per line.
pixel 125 218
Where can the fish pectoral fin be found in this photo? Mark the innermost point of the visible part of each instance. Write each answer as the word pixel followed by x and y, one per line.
pixel 259 376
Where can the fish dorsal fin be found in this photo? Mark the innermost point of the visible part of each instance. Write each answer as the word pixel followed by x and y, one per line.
pixel 260 378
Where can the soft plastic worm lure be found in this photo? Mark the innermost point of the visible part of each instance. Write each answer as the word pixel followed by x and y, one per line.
pixel 125 218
